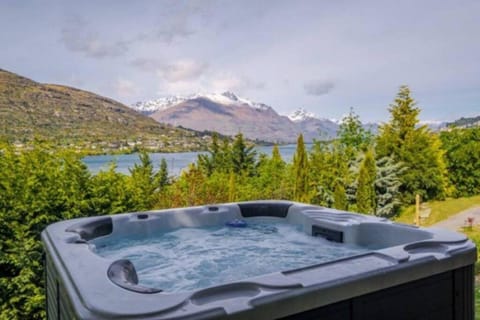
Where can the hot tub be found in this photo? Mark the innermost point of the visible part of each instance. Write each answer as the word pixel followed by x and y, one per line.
pixel 375 269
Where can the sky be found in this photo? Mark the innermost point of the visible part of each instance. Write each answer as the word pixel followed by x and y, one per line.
pixel 324 56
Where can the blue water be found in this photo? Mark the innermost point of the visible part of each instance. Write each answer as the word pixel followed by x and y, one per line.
pixel 194 258
pixel 175 161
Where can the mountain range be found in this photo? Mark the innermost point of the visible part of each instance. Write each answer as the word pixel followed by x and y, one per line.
pixel 75 118
pixel 71 117
pixel 229 114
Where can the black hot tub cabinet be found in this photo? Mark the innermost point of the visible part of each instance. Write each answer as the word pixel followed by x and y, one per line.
pixel 408 273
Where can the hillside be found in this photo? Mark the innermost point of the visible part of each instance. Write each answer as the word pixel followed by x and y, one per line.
pixel 75 118
pixel 465 122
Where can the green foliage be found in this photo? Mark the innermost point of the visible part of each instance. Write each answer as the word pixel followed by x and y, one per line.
pixel 339 197
pixel 243 156
pixel 271 182
pixel 109 193
pixel 162 174
pixel 300 172
pixel 38 187
pixel 462 156
pixel 328 169
pixel 238 157
pixel 352 134
pixel 143 183
pixel 232 192
pixel 365 195
pixel 416 147
pixel 214 159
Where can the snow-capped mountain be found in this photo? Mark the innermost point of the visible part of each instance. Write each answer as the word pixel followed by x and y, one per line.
pixel 150 106
pixel 229 114
pixel 225 98
pixel 301 115
pixel 312 126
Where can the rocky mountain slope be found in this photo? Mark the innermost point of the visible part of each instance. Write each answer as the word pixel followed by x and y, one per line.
pixel 229 114
pixel 77 118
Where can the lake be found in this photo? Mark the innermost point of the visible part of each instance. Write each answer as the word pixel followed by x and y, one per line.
pixel 175 161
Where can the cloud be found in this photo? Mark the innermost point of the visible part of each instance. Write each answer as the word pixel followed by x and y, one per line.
pixel 173 71
pixel 318 87
pixel 209 82
pixel 125 88
pixel 175 27
pixel 146 64
pixel 232 82
pixel 182 70
pixel 77 38
pixel 177 21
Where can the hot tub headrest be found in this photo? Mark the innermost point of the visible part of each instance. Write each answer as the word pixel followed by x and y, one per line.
pixel 93 229
pixel 264 209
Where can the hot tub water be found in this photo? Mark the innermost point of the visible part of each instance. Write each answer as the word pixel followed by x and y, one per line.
pixel 193 258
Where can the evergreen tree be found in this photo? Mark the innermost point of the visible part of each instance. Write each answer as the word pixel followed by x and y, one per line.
pixel 271 182
pixel 143 183
pixel 416 147
pixel 365 195
pixel 328 167
pixel 243 156
pixel 300 172
pixel 212 160
pixel 387 186
pixel 352 134
pixel 340 198
pixel 162 174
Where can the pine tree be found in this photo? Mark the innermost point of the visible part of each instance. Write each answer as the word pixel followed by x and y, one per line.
pixel 340 198
pixel 143 183
pixel 300 172
pixel 212 160
pixel 162 174
pixel 365 195
pixel 387 186
pixel 271 182
pixel 328 166
pixel 352 134
pixel 416 147
pixel 243 156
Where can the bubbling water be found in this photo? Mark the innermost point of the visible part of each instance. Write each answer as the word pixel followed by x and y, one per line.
pixel 193 258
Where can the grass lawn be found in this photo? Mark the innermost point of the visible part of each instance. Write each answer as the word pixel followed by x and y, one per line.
pixel 441 210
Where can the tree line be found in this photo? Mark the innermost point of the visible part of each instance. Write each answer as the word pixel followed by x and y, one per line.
pixel 356 172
